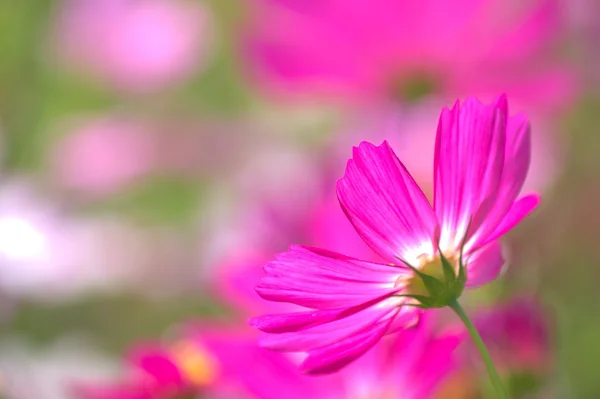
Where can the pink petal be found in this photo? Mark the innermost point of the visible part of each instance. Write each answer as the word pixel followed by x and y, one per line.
pixel 407 317
pixel 234 283
pixel 331 358
pixel 435 363
pixel 295 321
pixel 330 228
pixel 469 158
pixel 274 376
pixel 157 362
pixel 484 265
pixel 321 279
pixel 385 205
pixel 326 333
pixel 516 165
pixel 517 212
pixel 410 363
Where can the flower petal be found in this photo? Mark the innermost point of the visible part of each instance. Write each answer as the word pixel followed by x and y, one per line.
pixel 410 363
pixel 514 172
pixel 326 333
pixel 331 358
pixel 385 205
pixel 469 158
pixel 517 212
pixel 435 363
pixel 484 265
pixel 321 279
pixel 295 321
pixel 158 363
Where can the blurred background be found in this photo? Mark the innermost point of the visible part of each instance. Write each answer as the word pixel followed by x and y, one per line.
pixel 151 149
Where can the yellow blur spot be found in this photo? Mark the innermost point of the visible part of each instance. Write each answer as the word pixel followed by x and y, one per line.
pixel 461 385
pixel 196 364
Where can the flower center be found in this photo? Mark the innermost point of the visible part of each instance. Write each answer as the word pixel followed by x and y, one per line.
pixel 196 365
pixel 431 266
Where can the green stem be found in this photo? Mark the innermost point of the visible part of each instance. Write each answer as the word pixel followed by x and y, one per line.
pixel 485 355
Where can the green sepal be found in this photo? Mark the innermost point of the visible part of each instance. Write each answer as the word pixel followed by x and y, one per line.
pixel 449 273
pixel 434 286
pixel 425 302
pixel 462 274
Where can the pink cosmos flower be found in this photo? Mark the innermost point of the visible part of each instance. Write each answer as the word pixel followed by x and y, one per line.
pixel 361 51
pixel 159 371
pixel 430 252
pixel 136 45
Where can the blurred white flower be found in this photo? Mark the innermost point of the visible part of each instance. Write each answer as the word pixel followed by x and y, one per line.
pixel 27 372
pixel 46 253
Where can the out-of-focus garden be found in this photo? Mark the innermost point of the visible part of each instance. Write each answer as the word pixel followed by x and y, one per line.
pixel 156 153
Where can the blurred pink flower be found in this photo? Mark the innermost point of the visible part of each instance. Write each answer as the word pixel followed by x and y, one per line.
pixel 283 202
pixel 136 45
pixel 361 51
pixel 234 277
pixel 273 211
pixel 481 160
pixel 517 333
pixel 159 371
pixel 102 156
pixel 410 365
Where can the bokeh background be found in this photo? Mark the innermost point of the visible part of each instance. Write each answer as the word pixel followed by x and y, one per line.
pixel 150 147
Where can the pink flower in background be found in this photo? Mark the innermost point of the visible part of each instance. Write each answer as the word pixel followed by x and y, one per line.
pixel 159 371
pixel 481 161
pixel 363 51
pixel 409 365
pixel 234 276
pixel 517 333
pixel 277 206
pixel 136 45
pixel 102 156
